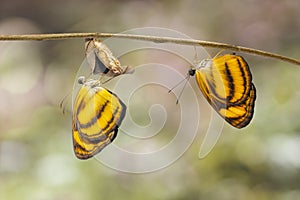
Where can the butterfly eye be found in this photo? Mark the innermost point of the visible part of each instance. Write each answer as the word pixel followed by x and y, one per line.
pixel 81 80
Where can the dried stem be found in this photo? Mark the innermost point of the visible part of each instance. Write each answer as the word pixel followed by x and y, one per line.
pixel 60 36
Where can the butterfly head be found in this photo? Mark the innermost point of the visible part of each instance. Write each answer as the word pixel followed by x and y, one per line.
pixel 192 72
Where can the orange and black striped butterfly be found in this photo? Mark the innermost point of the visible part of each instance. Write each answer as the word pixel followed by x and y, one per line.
pixel 226 83
pixel 97 115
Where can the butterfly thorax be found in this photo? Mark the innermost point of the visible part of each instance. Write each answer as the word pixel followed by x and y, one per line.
pixel 88 83
pixel 204 64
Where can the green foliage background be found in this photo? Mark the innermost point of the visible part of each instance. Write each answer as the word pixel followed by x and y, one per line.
pixel 36 156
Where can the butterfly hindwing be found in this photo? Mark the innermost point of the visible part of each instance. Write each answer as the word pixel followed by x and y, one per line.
pixel 226 83
pixel 97 114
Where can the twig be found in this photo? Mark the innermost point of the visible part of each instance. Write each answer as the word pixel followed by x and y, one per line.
pixel 60 36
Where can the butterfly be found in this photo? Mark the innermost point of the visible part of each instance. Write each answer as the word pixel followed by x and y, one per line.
pixel 97 115
pixel 101 59
pixel 226 83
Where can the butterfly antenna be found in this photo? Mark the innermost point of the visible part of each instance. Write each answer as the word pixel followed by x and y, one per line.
pixel 108 79
pixel 63 103
pixel 195 56
pixel 219 53
pixel 175 86
pixel 181 92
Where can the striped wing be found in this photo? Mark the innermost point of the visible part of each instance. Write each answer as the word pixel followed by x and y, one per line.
pixel 97 114
pixel 226 83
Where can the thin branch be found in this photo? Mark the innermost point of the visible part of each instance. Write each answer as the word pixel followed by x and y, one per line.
pixel 60 36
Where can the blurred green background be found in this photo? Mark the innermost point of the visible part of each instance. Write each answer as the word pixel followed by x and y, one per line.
pixel 36 155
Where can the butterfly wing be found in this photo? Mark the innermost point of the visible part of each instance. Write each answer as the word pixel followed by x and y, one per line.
pixel 226 83
pixel 97 114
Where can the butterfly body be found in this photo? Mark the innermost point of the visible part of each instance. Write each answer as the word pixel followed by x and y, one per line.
pixel 226 83
pixel 97 115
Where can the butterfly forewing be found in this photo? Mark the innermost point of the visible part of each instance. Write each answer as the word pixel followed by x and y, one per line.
pixel 97 114
pixel 226 83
